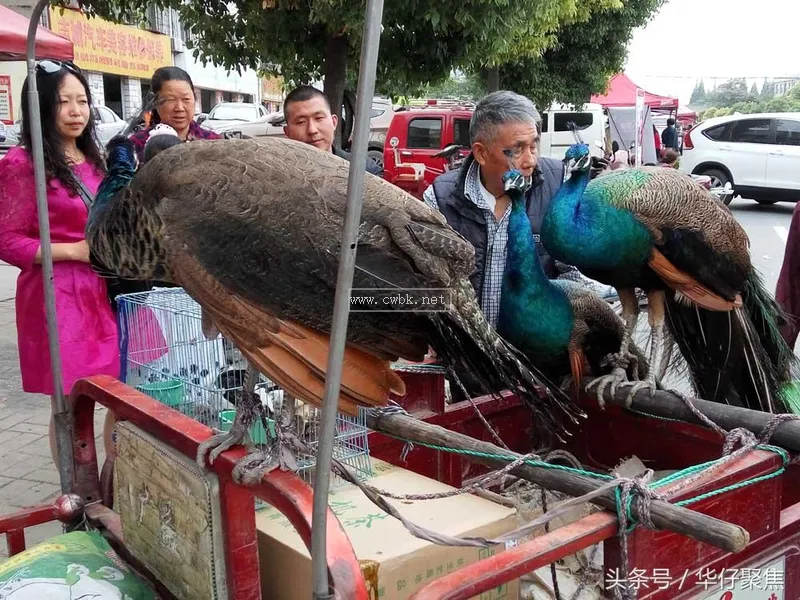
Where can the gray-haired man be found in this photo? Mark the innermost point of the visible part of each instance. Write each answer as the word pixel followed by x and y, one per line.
pixel 505 126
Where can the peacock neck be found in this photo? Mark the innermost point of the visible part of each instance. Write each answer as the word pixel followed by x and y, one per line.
pixel 522 258
pixel 118 177
pixel 572 190
pixel 535 315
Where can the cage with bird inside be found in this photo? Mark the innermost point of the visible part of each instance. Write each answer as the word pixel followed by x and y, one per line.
pixel 166 355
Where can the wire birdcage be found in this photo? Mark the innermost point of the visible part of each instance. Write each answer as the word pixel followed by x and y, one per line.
pixel 166 356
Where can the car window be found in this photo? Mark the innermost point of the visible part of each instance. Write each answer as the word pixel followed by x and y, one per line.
pixel 788 132
pixel 233 112
pixel 425 133
pixel 718 133
pixel 545 126
pixel 751 131
pixel 461 132
pixel 376 112
pixel 563 121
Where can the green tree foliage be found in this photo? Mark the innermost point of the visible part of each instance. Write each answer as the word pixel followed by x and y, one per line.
pixel 463 87
pixel 307 40
pixel 767 90
pixel 790 102
pixel 565 49
pixel 698 95
pixel 729 93
pixel 583 58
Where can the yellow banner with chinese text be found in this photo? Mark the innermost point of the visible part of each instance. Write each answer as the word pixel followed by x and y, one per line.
pixel 106 47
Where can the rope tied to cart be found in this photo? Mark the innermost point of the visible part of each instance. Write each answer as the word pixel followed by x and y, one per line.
pixel 627 491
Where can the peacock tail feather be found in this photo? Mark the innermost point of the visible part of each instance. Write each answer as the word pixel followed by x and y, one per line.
pixel 736 357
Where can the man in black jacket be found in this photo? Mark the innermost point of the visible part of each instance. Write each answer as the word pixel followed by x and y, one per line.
pixel 505 127
pixel 309 119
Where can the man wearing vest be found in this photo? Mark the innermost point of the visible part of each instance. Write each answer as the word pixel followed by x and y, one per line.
pixel 505 126
pixel 473 201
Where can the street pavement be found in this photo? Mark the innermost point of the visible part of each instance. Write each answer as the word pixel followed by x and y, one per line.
pixel 27 473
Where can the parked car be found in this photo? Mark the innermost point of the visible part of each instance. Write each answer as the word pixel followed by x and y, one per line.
pixel 417 137
pixel 758 154
pixel 107 123
pixel 232 114
pixel 8 138
pixel 272 124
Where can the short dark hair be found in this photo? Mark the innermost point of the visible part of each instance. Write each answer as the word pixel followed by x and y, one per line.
pixel 303 93
pixel 158 143
pixel 670 156
pixel 670 122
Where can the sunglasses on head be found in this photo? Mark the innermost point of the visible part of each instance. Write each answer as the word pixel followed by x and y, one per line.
pixel 50 66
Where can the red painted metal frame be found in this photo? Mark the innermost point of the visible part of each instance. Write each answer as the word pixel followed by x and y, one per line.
pixel 15 524
pixel 769 510
pixel 285 491
pixel 424 399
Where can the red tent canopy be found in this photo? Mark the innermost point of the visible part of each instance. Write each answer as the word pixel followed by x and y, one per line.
pixel 622 92
pixel 14 39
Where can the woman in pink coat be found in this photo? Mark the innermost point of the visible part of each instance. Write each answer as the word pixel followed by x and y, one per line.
pixel 87 329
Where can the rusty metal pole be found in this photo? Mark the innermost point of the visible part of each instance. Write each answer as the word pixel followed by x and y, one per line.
pixel 341 306
pixel 61 414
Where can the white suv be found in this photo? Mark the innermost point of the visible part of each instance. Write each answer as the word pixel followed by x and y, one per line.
pixel 758 154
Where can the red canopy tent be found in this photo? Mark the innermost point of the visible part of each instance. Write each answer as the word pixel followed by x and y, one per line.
pixel 13 39
pixel 622 92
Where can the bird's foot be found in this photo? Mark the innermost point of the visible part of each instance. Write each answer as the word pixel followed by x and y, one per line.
pixel 255 465
pixel 611 382
pixel 636 386
pixel 616 360
pixel 217 444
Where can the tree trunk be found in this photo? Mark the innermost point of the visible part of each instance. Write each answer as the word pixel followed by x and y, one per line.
pixel 335 71
pixel 491 79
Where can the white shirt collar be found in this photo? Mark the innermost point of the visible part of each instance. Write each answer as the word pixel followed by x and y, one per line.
pixel 488 197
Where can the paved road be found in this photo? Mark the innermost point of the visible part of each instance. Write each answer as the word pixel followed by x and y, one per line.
pixel 28 476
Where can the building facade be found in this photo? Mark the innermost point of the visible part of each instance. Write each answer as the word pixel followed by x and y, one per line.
pixel 119 60
pixel 782 86
pixel 213 84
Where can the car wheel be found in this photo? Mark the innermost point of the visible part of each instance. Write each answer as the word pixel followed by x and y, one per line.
pixel 718 179
pixel 766 201
pixel 377 156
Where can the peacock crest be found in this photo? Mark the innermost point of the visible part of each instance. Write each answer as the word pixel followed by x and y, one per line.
pixel 577 151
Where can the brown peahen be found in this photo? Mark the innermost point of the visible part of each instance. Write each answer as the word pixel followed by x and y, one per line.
pixel 251 229
pixel 656 229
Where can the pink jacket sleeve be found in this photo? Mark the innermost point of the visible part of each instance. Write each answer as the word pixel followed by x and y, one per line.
pixel 18 239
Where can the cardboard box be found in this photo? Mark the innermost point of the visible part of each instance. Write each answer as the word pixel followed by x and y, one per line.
pixel 394 563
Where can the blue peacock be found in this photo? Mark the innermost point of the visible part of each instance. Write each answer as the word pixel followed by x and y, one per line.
pixel 656 229
pixel 560 325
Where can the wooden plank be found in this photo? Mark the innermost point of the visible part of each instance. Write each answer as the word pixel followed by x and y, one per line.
pixel 666 404
pixel 721 534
